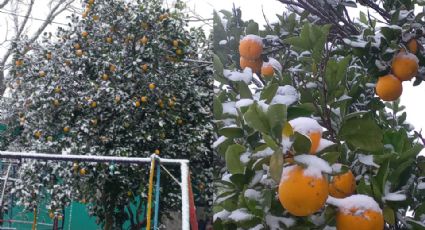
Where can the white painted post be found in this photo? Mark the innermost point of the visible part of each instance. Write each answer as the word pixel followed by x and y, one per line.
pixel 184 168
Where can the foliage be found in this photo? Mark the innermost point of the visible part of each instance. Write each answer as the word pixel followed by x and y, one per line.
pixel 125 79
pixel 334 77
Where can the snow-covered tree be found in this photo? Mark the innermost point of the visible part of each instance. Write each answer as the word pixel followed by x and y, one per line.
pixel 125 79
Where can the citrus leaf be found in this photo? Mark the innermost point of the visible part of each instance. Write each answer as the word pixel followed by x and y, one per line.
pixel 233 162
pixel 276 165
pixel 363 133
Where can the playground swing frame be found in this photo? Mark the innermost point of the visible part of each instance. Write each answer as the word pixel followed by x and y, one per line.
pixel 184 169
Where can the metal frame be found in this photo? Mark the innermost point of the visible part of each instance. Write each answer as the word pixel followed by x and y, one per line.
pixel 184 168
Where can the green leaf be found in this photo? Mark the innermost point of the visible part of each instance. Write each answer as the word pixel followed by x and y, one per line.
pixel 276 115
pixel 302 144
pixel 363 188
pixel 218 66
pixel 217 108
pixel 330 157
pixel 233 162
pixel 244 90
pixel 270 142
pixel 391 33
pixel 382 175
pixel 252 28
pixel 303 110
pixel 276 165
pixel 257 119
pixel 269 92
pixel 363 133
pixel 389 216
pixel 231 132
pixel 319 37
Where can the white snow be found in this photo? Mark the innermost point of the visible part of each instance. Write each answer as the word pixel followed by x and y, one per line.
pixel 284 100
pixel 305 125
pixel 253 194
pixel 357 201
pixel 324 144
pixel 258 227
pixel 244 102
pixel 315 165
pixel 336 168
pixel 263 153
pixel 240 215
pixel 222 42
pixel 274 63
pixel 222 199
pixel 394 197
pixel 273 221
pixel 229 108
pixel 245 75
pixel 358 44
pixel 254 38
pixel 244 158
pixel 256 178
pixel 219 140
pixel 421 185
pixel 223 215
pixel 367 160
pixel 311 85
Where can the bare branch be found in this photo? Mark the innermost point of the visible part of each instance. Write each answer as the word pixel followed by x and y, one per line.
pixel 3 4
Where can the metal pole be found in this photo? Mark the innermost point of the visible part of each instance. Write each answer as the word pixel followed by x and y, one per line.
pixel 185 195
pixel 85 158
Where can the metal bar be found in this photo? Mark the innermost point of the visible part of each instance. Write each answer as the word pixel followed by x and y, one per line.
pixel 4 187
pixel 86 158
pixel 185 195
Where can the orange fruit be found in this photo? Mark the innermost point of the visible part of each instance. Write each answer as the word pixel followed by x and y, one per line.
pixel 19 62
pixel 405 66
pixel 109 40
pixel 152 86
pixel 58 89
pixel 77 46
pixel 137 104
pixel 413 46
pixel 83 171
pixel 93 104
pixel 56 102
pixel 342 185
pixel 301 194
pixel 179 52
pixel 144 40
pixel 79 53
pixel 37 134
pixel 105 77
pixel 41 73
pixel 255 65
pixel 315 137
pixel 389 88
pixel 175 43
pixel 112 68
pixel 95 17
pixel 251 47
pixel 91 2
pixel 66 129
pixel 355 219
pixel 267 70
pixel 49 56
pixel 145 67
pixel 157 151
pixel 144 99
pixel 51 215
pixel 84 34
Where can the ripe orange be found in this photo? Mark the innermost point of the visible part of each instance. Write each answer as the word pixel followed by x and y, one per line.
pixel 315 138
pixel 84 34
pixel 41 73
pixel 117 99
pixel 56 102
pixel 144 40
pixel 251 47
pixel 137 104
pixel 66 129
pixel 389 88
pixel 77 46
pixel 157 151
pixel 19 62
pixel 175 43
pixel 95 17
pixel 112 68
pixel 79 53
pixel 152 86
pixel 144 99
pixel 405 66
pixel 109 40
pixel 179 52
pixel 145 67
pixel 255 65
pixel 58 89
pixel 91 2
pixel 300 194
pixel 37 134
pixel 354 219
pixel 413 46
pixel 93 104
pixel 342 185
pixel 83 171
pixel 49 56
pixel 105 77
pixel 267 70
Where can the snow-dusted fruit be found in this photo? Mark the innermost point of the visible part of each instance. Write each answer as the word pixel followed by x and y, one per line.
pixel 251 47
pixel 357 212
pixel 255 65
pixel 309 127
pixel 413 46
pixel 405 66
pixel 389 88
pixel 301 193
pixel 267 70
pixel 342 185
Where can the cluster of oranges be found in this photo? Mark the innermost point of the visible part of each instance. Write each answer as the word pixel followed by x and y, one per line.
pixel 403 67
pixel 250 50
pixel 303 194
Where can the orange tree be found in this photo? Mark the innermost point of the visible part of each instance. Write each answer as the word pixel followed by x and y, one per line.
pixel 124 79
pixel 326 113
